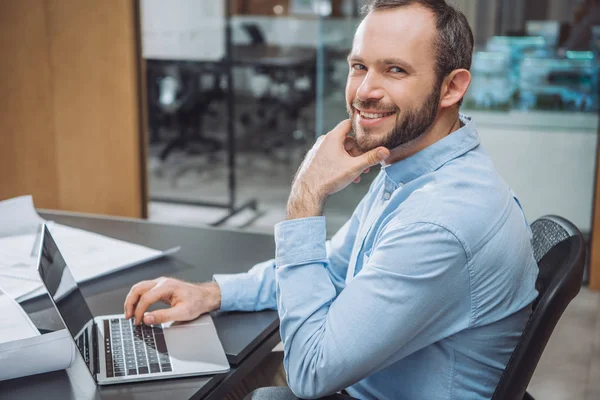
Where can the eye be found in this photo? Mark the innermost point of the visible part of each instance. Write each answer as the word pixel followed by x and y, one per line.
pixel 397 70
pixel 358 67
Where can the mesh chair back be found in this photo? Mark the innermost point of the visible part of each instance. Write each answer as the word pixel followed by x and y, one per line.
pixel 547 232
pixel 559 250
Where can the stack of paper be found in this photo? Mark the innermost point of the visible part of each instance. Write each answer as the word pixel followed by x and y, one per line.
pixel 14 322
pixel 89 255
pixel 24 349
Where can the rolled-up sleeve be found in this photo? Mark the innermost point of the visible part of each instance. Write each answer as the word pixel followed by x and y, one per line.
pixel 413 290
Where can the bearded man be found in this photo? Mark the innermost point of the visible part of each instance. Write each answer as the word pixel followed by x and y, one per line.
pixel 425 291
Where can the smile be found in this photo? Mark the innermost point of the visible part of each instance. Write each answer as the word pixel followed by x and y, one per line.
pixel 373 115
pixel 372 119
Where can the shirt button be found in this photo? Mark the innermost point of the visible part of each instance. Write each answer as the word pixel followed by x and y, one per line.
pixel 387 195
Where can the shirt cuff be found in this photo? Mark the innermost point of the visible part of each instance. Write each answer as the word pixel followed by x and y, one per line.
pixel 300 241
pixel 232 291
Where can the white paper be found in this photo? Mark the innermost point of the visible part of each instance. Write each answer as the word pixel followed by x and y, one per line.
pixel 19 289
pixel 24 349
pixel 18 216
pixel 88 255
pixel 14 322
pixel 15 257
pixel 37 354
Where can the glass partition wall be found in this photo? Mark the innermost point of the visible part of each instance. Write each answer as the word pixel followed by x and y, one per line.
pixel 233 112
pixel 534 97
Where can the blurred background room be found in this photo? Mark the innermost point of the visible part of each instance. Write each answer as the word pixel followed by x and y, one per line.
pixel 199 112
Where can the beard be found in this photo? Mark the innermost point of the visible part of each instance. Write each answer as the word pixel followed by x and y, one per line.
pixel 407 128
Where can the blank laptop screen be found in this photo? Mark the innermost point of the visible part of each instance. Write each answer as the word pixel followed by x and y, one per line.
pixel 62 286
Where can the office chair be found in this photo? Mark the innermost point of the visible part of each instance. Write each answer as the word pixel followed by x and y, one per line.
pixel 255 33
pixel 281 103
pixel 178 100
pixel 559 250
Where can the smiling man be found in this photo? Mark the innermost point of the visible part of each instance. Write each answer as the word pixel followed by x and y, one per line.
pixel 424 292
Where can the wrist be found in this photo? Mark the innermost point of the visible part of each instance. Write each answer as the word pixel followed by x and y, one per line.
pixel 304 202
pixel 212 294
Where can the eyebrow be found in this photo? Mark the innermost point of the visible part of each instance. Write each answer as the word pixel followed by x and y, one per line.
pixel 384 61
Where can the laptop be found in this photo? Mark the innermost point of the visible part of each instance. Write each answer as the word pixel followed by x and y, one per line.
pixel 115 350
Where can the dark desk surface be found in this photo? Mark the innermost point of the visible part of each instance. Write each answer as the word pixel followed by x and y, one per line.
pixel 247 337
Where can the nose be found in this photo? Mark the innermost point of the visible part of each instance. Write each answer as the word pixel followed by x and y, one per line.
pixel 370 88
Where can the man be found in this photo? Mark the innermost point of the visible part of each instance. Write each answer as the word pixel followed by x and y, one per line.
pixel 425 291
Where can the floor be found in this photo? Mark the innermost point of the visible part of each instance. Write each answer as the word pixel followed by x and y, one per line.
pixel 570 365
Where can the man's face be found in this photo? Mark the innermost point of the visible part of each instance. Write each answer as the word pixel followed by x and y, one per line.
pixel 392 92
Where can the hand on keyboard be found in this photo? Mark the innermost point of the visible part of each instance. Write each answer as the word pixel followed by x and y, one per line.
pixel 187 300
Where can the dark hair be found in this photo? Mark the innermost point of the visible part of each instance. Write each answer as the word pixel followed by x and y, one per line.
pixel 454 41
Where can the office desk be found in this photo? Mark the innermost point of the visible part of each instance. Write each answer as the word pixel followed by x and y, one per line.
pixel 247 337
pixel 274 56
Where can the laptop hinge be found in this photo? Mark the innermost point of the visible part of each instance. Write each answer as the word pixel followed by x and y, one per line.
pixel 96 349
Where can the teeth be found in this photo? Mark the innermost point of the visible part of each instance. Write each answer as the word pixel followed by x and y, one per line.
pixel 373 116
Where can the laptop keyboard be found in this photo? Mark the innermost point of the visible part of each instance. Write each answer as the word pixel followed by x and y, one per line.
pixel 84 346
pixel 134 350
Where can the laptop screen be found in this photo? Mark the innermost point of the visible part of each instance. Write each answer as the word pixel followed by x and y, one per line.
pixel 62 286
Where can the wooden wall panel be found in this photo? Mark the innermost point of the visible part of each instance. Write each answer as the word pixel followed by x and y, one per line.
pixel 70 105
pixel 94 65
pixel 27 146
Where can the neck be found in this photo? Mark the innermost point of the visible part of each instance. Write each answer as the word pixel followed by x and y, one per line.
pixel 445 123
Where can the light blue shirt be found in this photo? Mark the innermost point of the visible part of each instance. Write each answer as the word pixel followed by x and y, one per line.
pixel 422 294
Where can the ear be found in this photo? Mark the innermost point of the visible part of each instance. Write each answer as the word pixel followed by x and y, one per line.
pixel 454 87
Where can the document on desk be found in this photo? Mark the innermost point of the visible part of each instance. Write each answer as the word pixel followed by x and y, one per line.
pixel 14 322
pixel 18 216
pixel 24 349
pixel 88 254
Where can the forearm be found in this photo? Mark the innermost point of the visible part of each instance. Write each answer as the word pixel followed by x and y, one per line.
pixel 304 202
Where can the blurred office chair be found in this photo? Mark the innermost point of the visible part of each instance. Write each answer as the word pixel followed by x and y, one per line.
pixel 255 33
pixel 559 250
pixel 182 103
pixel 283 100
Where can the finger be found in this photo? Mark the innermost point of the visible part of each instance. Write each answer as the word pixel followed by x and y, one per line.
pixel 178 313
pixel 350 147
pixel 147 299
pixel 349 144
pixel 342 130
pixel 371 158
pixel 366 171
pixel 357 179
pixel 134 294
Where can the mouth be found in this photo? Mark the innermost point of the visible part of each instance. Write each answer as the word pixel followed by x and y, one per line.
pixel 372 118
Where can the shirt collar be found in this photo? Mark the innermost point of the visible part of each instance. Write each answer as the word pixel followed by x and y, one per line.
pixel 433 157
